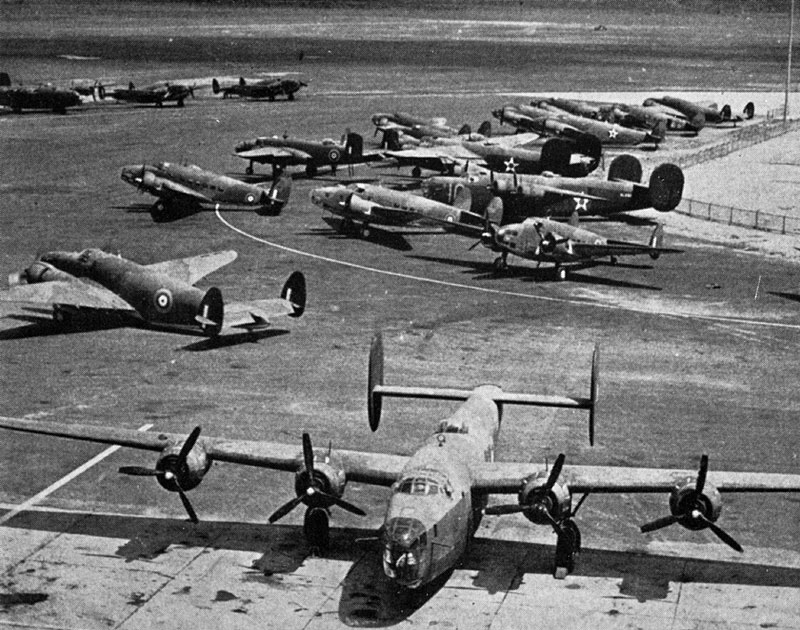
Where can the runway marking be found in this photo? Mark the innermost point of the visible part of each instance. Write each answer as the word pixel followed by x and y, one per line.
pixel 543 298
pixel 64 480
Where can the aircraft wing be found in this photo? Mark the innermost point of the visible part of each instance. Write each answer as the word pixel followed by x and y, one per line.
pixel 372 468
pixel 174 190
pixel 74 293
pixel 255 314
pixel 617 248
pixel 274 154
pixel 516 140
pixel 194 268
pixel 505 478
pixel 563 192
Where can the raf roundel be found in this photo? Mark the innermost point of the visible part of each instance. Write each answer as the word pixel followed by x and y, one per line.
pixel 250 198
pixel 334 155
pixel 163 300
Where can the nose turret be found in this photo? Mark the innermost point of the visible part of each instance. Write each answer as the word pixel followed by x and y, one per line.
pixel 404 554
pixel 133 174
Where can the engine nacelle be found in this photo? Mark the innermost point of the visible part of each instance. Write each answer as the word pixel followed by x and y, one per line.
pixel 557 502
pixel 149 180
pixel 329 477
pixel 39 271
pixel 358 205
pixel 186 476
pixel 685 502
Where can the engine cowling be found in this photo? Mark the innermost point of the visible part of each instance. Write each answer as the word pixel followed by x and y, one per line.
pixel 39 271
pixel 537 499
pixel 328 476
pixel 358 205
pixel 689 505
pixel 182 475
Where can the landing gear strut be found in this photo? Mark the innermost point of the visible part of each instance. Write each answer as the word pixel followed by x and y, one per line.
pixel 567 547
pixel 500 263
pixel 316 528
pixel 249 169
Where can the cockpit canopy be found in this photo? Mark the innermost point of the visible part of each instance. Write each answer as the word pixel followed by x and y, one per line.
pixel 424 483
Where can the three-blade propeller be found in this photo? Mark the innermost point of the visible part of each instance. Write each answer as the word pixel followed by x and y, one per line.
pixel 693 511
pixel 171 472
pixel 314 493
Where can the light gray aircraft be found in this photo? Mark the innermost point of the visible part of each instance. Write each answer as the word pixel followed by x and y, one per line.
pixel 79 285
pixel 440 492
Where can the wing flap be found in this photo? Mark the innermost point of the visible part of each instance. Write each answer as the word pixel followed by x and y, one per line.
pixel 174 190
pixel 194 268
pixel 69 293
pixel 273 154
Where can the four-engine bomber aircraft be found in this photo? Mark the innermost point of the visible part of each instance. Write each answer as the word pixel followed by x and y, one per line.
pixel 283 151
pixel 440 492
pixel 17 98
pixel 260 88
pixel 162 295
pixel 185 188
pixel 550 195
pixel 155 94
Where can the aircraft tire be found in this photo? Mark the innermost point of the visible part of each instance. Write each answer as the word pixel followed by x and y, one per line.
pixel 290 96
pixel 363 231
pixel 311 170
pixel 561 273
pixel 500 265
pixel 316 528
pixel 416 171
pixel 249 170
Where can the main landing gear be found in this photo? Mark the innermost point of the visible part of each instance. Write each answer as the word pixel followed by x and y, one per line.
pixel 500 263
pixel 316 528
pixel 568 546
pixel 249 169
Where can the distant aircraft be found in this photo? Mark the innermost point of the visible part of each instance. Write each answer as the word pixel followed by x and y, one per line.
pixel 162 295
pixel 518 153
pixel 440 492
pixel 415 126
pixel 551 121
pixel 544 240
pixel 155 94
pixel 366 204
pixel 695 112
pixel 555 196
pixel 260 88
pixel 185 188
pixel 284 151
pixel 18 98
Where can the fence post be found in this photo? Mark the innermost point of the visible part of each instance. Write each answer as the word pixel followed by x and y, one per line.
pixel 756 223
pixel 709 211
pixel 783 228
pixel 730 219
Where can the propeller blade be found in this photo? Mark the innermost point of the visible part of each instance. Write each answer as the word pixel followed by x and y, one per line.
pixel 188 506
pixel 499 510
pixel 345 505
pixel 139 471
pixel 555 471
pixel 722 534
pixel 659 523
pixel 308 455
pixel 701 474
pixel 285 509
pixel 188 445
pixel 474 245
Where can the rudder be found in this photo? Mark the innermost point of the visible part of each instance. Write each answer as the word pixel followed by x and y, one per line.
pixel 625 167
pixel 666 187
pixel 294 291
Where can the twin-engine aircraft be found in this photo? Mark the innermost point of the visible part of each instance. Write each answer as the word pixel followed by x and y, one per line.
pixel 440 492
pixel 551 195
pixel 155 94
pixel 260 88
pixel 48 97
pixel 184 189
pixel 78 286
pixel 700 113
pixel 283 151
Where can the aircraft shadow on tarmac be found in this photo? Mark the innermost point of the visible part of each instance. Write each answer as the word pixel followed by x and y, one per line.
pixel 368 597
pixel 384 238
pixel 486 271
pixel 43 326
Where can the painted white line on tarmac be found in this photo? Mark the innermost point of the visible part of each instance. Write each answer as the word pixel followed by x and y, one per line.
pixel 65 480
pixel 529 296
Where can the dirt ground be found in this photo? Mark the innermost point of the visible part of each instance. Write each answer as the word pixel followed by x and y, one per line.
pixel 698 354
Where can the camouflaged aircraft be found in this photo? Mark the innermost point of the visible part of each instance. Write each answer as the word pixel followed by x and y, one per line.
pixel 416 127
pixel 257 89
pixel 155 94
pixel 364 205
pixel 93 285
pixel 700 113
pixel 440 492
pixel 283 151
pixel 551 121
pixel 184 189
pixel 48 97
pixel 550 195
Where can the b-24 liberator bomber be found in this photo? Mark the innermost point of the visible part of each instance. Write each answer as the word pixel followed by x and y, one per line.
pixel 551 121
pixel 550 195
pixel 284 151
pixel 185 189
pixel 259 89
pixel 440 492
pixel 17 98
pixel 155 94
pixel 364 205
pixel 94 285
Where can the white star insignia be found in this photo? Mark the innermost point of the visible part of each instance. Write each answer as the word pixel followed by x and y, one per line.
pixel 613 133
pixel 581 204
pixel 511 165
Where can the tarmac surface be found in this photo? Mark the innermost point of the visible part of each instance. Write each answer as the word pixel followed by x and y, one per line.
pixel 698 355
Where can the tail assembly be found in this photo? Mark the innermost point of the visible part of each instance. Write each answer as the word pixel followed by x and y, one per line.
pixel 556 155
pixel 485 129
pixel 376 391
pixel 215 86
pixel 625 168
pixel 726 113
pixel 391 140
pixel 463 198
pixel 666 187
pixel 656 240
pixel 354 147
pixel 592 148
pixel 5 79
pixel 272 202
pixel 211 312
pixel 494 211
pixel 749 111
pixel 465 130
pixel 294 291
pixel 657 133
